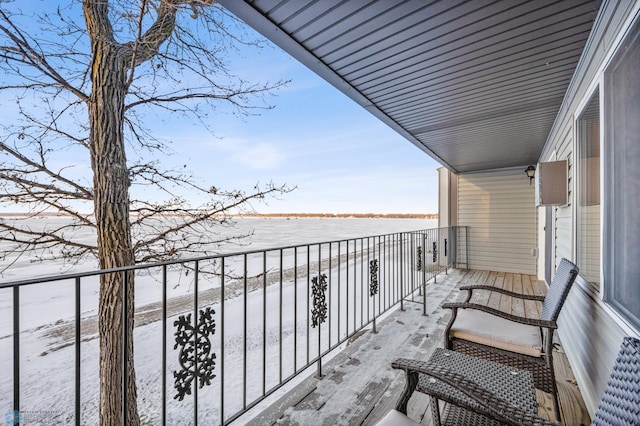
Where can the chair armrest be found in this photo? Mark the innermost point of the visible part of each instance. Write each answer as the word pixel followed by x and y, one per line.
pixel 470 289
pixel 488 402
pixel 522 320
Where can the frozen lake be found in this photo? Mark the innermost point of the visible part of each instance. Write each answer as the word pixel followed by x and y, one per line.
pixel 44 332
pixel 267 233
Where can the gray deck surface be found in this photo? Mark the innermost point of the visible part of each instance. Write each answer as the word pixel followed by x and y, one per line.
pixel 359 386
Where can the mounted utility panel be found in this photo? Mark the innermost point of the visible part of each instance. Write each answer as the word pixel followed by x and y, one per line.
pixel 551 183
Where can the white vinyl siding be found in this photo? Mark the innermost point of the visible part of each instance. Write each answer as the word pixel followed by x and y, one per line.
pixel 590 333
pixel 591 339
pixel 499 208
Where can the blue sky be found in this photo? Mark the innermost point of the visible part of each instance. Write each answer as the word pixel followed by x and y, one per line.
pixel 340 157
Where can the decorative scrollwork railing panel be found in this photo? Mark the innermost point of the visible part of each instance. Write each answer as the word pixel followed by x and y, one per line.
pixel 319 312
pixel 195 358
pixel 373 273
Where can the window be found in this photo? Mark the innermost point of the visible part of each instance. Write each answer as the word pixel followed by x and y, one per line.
pixel 621 249
pixel 588 206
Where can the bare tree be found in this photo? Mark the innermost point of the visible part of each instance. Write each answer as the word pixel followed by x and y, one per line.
pixel 82 78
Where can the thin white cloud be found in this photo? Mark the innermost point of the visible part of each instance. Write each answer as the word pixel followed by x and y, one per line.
pixel 260 156
pixel 255 155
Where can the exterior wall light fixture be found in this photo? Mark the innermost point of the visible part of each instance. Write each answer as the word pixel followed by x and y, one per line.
pixel 531 173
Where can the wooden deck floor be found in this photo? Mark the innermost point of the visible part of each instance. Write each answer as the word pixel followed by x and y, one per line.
pixel 359 386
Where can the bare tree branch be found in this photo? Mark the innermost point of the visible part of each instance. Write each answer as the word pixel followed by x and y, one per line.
pixel 166 50
pixel 22 51
pixel 80 193
pixel 172 239
pixel 231 97
pixel 83 77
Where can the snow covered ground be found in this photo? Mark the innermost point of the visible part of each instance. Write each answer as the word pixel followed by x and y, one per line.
pixel 272 322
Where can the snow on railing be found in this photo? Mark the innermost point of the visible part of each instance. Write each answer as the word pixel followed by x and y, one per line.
pixel 214 336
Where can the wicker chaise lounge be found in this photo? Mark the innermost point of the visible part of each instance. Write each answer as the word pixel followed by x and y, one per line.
pixel 524 343
pixel 620 403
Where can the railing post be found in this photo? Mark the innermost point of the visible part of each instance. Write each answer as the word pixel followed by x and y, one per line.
pixel 319 312
pixel 424 280
pixel 401 281
pixel 280 318
pixel 466 239
pixel 196 276
pixel 330 305
pixel 412 274
pixel 435 258
pixel 322 307
pixel 245 331
pixel 164 345
pixel 222 284
pixel 16 352
pixel 446 259
pixel 264 319
pixel 453 249
pixel 295 309
pixel 77 351
pixel 125 344
pixel 319 363
pixel 373 288
pixel 419 264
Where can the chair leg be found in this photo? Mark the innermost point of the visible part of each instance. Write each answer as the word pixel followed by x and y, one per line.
pixel 556 406
pixel 554 385
pixel 411 381
pixel 554 392
pixel 435 411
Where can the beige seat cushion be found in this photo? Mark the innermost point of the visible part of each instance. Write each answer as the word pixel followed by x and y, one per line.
pixel 396 418
pixel 490 330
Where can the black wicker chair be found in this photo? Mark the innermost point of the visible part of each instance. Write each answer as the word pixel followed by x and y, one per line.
pixel 524 343
pixel 620 404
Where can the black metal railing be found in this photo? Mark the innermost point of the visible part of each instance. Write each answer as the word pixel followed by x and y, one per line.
pixel 215 336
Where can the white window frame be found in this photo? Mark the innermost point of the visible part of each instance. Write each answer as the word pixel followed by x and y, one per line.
pixel 634 321
pixel 596 86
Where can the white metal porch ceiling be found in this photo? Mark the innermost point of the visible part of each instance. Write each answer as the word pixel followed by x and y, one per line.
pixel 475 84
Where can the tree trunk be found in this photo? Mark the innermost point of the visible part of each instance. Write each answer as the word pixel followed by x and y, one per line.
pixel 111 204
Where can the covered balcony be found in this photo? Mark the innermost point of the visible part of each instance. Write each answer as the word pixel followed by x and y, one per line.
pixel 293 335
pixel 485 88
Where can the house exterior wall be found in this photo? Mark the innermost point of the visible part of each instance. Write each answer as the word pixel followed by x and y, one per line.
pixel 541 215
pixel 590 331
pixel 498 206
pixel 447 198
pixel 444 198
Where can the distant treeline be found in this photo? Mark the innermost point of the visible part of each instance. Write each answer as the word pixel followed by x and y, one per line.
pixel 347 215
pixel 276 215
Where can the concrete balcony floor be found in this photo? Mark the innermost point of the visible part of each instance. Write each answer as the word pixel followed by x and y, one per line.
pixel 359 386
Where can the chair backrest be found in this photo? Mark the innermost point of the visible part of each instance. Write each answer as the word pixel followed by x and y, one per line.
pixel 620 404
pixel 558 290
